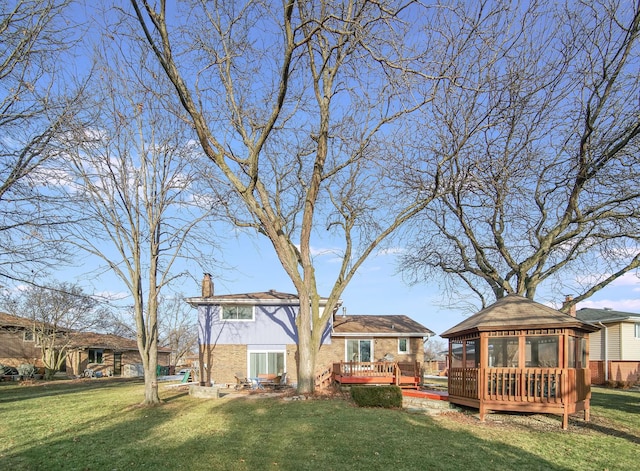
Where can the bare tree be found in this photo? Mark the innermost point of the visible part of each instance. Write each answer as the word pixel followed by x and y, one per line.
pixel 178 327
pixel 544 135
pixel 131 176
pixel 39 97
pixel 56 313
pixel 306 109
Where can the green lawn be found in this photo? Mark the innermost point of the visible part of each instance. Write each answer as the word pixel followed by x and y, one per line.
pixel 97 425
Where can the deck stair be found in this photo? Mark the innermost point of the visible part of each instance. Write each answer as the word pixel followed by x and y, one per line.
pixel 324 378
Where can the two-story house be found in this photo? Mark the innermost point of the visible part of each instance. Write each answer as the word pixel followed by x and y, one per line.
pixel 615 348
pixel 253 334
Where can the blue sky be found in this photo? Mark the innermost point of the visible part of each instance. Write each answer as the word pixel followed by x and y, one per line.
pixel 376 289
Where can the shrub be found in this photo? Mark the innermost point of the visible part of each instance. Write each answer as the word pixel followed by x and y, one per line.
pixel 377 396
pixel 26 370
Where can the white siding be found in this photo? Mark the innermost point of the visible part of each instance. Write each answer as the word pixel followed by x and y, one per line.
pixel 596 345
pixel 613 339
pixel 630 344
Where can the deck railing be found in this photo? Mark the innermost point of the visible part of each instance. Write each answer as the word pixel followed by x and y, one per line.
pixel 365 368
pixel 403 374
pixel 324 378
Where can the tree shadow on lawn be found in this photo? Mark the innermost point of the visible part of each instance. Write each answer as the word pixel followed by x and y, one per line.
pixel 239 434
pixel 615 399
pixel 25 391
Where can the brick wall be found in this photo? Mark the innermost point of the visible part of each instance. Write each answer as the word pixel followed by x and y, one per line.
pixel 227 360
pixel 618 371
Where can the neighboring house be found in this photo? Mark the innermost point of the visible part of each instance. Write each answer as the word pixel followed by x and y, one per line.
pixel 108 354
pixel 615 348
pixel 255 333
pixel 17 342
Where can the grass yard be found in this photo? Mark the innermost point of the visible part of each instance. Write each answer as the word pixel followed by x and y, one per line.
pixel 97 425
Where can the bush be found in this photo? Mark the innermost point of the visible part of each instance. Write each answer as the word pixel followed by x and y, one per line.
pixel 26 370
pixel 618 384
pixel 377 396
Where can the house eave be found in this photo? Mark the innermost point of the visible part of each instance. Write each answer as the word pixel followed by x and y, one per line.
pixel 614 320
pixel 200 301
pixel 381 334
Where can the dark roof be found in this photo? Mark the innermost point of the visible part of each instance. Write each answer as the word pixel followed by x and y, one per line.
pixel 261 297
pixel 14 321
pixel 516 312
pixel 395 325
pixel 600 315
pixel 106 341
pixel 80 339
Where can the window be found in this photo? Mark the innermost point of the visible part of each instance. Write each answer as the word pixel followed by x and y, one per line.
pixel 503 352
pixel 266 363
pixel 542 351
pixel 95 355
pixel 472 353
pixel 403 345
pixel 456 354
pixel 237 313
pixel 28 336
pixel 572 352
pixel 582 354
pixel 637 330
pixel 359 350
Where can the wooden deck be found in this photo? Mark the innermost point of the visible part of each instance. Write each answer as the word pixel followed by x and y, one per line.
pixel 403 374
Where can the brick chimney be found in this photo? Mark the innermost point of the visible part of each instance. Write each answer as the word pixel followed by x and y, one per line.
pixel 207 286
pixel 572 309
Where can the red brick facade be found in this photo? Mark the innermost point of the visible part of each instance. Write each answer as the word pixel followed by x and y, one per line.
pixel 227 360
pixel 628 371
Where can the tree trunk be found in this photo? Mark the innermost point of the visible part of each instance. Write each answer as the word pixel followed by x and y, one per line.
pixel 308 347
pixel 49 373
pixel 151 396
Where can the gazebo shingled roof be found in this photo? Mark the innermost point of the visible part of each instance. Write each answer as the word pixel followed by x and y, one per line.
pixel 516 312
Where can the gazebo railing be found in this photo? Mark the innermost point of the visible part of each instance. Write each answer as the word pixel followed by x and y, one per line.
pixel 525 384
pixel 544 385
pixel 463 382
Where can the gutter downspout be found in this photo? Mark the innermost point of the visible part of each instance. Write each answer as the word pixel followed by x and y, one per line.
pixel 605 340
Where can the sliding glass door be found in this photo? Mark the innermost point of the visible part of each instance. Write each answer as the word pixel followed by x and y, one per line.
pixel 266 363
pixel 359 350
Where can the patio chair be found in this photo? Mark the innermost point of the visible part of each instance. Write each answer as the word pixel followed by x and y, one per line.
pixel 281 381
pixel 241 381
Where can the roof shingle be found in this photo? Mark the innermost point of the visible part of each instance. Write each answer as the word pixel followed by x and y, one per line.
pixel 516 312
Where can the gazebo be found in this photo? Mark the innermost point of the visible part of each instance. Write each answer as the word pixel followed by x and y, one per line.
pixel 519 355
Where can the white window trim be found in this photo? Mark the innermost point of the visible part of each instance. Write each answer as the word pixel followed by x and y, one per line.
pixel 408 350
pixel 253 313
pixel 24 336
pixel 636 330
